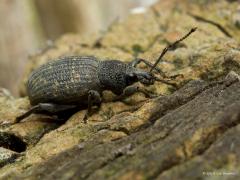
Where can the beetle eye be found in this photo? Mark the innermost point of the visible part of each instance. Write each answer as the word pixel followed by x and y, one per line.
pixel 131 78
pixel 131 75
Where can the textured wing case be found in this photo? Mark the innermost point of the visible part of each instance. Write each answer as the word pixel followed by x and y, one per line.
pixel 64 81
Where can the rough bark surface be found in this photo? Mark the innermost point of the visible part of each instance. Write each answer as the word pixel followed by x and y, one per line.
pixel 189 133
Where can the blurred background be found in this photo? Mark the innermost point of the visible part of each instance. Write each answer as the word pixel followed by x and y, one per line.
pixel 26 26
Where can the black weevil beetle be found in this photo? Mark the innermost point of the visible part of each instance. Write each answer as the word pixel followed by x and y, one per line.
pixel 74 81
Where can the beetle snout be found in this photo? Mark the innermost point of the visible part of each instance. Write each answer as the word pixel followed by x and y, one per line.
pixel 147 79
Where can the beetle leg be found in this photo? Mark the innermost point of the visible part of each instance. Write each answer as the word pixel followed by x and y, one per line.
pixel 93 98
pixel 45 108
pixel 130 90
pixel 147 93
pixel 28 113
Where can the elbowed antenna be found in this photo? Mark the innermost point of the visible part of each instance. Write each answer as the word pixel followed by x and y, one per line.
pixel 170 46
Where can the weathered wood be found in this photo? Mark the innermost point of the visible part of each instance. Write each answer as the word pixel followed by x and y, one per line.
pixel 190 129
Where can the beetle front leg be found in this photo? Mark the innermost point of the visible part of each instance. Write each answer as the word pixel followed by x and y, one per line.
pixel 130 90
pixel 93 98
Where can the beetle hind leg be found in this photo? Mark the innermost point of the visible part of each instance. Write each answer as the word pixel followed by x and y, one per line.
pixel 45 108
pixel 26 114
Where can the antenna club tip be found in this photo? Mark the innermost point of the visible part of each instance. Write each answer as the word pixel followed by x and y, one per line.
pixel 193 29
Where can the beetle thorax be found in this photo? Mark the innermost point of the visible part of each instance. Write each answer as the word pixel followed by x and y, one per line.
pixel 112 75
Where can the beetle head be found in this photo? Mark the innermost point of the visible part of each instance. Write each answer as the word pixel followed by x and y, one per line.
pixel 134 75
